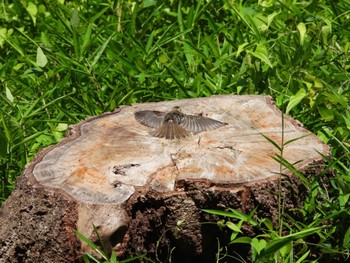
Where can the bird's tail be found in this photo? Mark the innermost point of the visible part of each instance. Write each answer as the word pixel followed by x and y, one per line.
pixel 170 131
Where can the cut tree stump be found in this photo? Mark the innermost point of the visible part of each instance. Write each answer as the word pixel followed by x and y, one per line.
pixel 135 189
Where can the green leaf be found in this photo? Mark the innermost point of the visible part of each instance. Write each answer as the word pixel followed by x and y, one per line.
pixel 3 36
pixel 234 214
pixel 280 159
pixel 242 240
pixel 279 148
pixel 113 258
pixel 276 244
pixel 62 127
pixel 87 39
pixel 5 127
pixel 9 95
pixel 148 3
pixel 33 11
pixel 346 240
pixel 297 138
pixel 233 227
pixel 90 244
pixel 286 250
pixel 41 59
pixel 44 140
pixel 258 245
pixel 241 48
pixel 271 17
pixel 326 114
pixel 100 52
pixel 302 32
pixel 295 100
pixel 301 259
pixel 261 53
pixel 346 118
pixel 75 21
pixel 343 200
pixel 337 98
pixel 163 59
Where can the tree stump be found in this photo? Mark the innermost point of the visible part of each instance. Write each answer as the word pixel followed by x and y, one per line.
pixel 134 188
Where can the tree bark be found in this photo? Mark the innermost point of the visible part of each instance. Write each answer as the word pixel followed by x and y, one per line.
pixel 136 189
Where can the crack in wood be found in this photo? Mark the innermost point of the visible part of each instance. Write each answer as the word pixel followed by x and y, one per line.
pixel 122 169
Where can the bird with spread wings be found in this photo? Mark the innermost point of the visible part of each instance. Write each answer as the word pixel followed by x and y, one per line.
pixel 175 124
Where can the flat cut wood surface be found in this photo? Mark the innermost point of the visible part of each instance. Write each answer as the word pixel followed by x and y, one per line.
pixel 114 154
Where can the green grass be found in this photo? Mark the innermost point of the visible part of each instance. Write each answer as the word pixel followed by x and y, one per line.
pixel 60 63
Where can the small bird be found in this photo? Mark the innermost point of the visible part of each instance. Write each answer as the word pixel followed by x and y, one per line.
pixel 175 124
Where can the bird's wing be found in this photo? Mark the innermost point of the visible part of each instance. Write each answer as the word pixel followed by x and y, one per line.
pixel 196 123
pixel 149 118
pixel 170 131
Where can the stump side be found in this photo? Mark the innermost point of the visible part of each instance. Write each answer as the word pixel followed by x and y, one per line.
pixel 37 226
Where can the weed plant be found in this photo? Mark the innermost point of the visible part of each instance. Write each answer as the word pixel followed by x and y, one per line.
pixel 62 61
